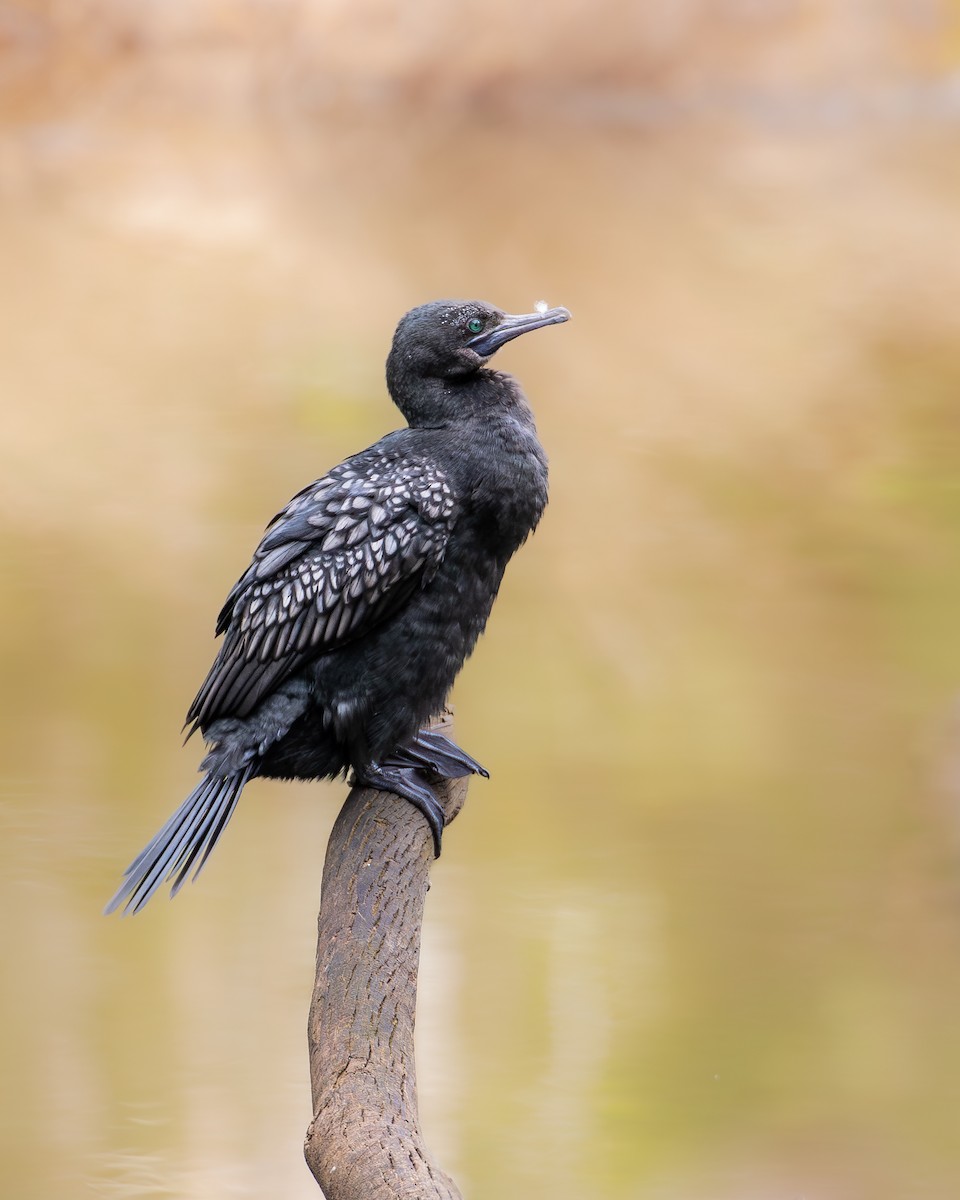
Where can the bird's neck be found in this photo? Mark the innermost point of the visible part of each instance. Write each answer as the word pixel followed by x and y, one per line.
pixel 434 403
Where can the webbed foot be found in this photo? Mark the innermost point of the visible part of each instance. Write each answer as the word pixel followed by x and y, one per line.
pixel 431 751
pixel 403 781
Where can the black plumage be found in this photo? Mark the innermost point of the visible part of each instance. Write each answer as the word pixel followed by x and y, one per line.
pixel 368 592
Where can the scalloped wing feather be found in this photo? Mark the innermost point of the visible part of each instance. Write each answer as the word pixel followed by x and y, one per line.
pixel 343 555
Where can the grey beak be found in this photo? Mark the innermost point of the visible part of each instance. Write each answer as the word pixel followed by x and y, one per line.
pixel 510 327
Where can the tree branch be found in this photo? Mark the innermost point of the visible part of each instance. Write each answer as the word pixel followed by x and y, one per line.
pixel 365 1142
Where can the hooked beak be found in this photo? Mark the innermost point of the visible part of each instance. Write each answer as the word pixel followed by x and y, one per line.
pixel 491 340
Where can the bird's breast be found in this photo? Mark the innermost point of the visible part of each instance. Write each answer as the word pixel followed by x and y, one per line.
pixel 508 487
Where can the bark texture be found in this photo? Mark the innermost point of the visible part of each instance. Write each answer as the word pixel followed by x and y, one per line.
pixel 365 1142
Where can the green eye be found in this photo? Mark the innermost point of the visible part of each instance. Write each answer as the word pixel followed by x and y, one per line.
pixel 474 324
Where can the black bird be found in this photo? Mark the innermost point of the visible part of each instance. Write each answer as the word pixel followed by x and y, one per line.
pixel 368 592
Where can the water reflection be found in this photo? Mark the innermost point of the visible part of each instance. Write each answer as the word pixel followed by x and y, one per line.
pixel 697 936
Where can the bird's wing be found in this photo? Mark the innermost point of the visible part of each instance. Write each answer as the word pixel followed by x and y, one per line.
pixel 342 556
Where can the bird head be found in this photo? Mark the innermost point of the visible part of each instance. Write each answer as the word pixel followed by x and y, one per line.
pixel 453 339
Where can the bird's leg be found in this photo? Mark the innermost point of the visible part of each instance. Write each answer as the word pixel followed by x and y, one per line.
pixel 431 751
pixel 402 773
pixel 403 781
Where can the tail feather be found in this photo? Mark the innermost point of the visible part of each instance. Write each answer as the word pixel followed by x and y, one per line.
pixel 191 833
pixel 206 836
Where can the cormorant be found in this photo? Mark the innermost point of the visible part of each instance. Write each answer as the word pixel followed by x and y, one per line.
pixel 368 592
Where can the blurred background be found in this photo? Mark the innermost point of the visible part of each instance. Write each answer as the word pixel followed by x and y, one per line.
pixel 699 936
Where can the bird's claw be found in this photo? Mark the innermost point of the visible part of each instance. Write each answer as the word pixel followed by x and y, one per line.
pixel 431 751
pixel 403 782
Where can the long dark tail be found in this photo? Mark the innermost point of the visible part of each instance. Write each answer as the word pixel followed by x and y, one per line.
pixel 187 838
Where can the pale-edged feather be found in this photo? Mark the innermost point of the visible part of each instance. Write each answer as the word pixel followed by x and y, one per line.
pixel 339 559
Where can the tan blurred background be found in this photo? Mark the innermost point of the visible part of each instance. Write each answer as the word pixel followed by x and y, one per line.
pixel 699 936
